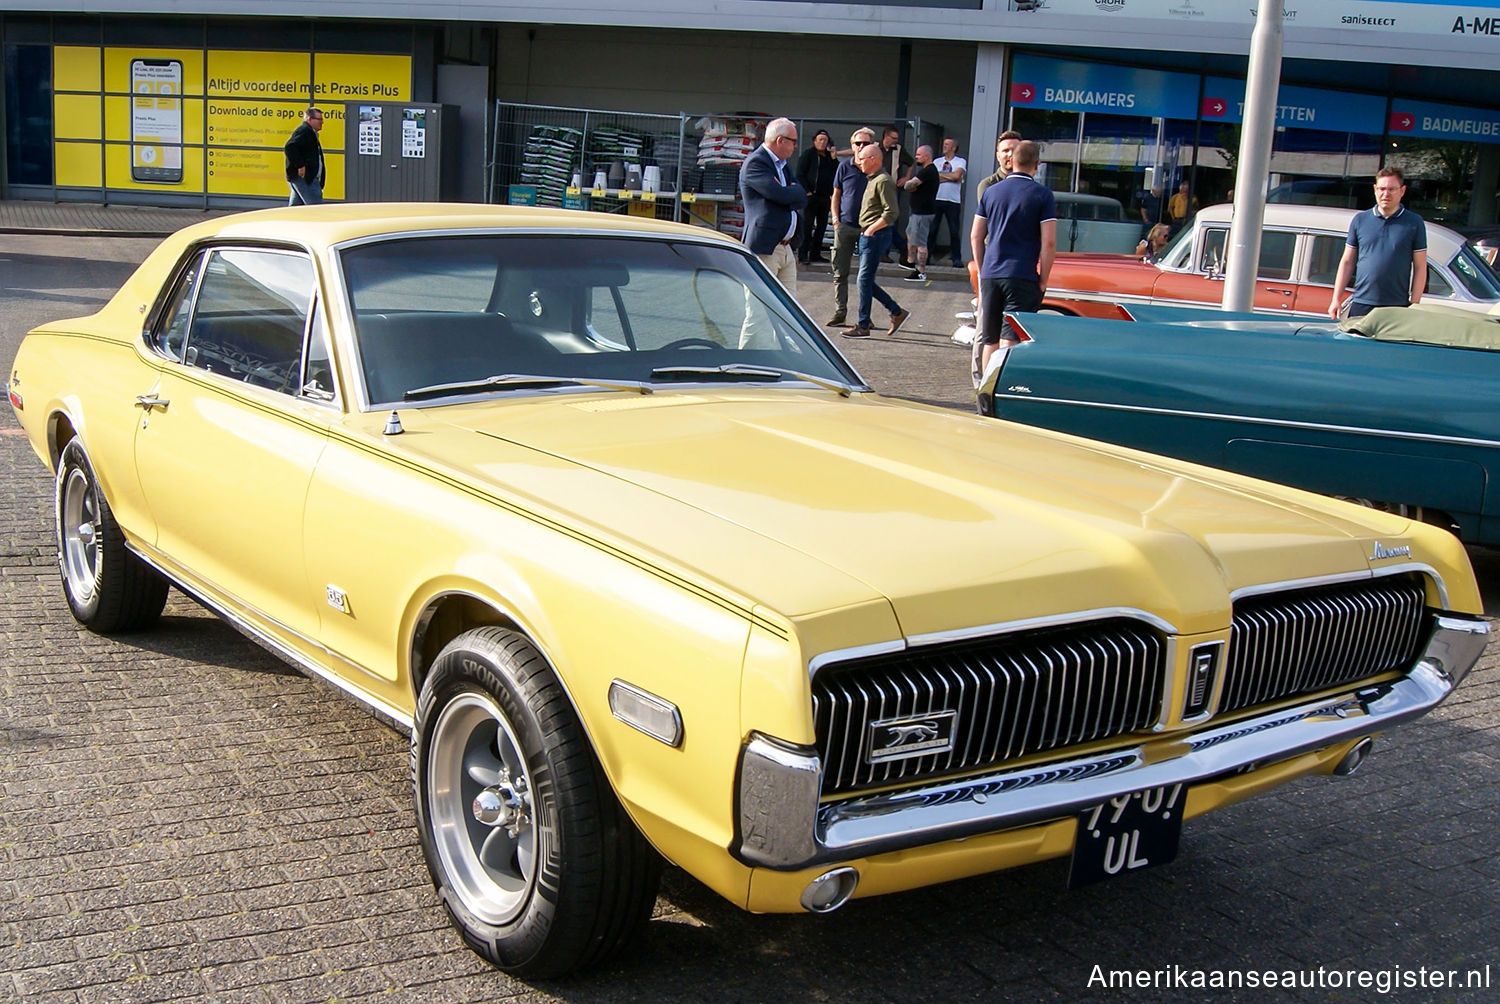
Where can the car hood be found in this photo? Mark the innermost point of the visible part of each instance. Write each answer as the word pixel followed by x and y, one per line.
pixel 800 499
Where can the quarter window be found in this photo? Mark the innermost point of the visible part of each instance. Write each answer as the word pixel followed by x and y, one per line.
pixel 172 333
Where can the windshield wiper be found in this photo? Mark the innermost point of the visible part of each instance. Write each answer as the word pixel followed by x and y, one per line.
pixel 510 380
pixel 746 372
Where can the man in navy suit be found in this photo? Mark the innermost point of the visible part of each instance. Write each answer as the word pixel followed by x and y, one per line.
pixel 773 198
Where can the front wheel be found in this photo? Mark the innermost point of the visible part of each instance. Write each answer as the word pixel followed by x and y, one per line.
pixel 538 866
pixel 108 588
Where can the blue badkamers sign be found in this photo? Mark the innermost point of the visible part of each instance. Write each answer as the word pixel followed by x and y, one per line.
pixel 1052 84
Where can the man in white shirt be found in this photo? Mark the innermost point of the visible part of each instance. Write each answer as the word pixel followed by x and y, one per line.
pixel 950 199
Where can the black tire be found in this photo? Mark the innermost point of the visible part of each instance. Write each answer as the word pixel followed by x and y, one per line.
pixel 108 588
pixel 558 878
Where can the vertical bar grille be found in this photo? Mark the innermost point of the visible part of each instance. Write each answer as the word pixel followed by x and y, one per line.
pixel 1285 644
pixel 986 701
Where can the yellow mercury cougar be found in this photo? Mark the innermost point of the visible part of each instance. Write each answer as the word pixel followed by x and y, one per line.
pixel 590 505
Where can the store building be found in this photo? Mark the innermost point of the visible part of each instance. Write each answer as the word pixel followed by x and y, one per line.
pixel 177 103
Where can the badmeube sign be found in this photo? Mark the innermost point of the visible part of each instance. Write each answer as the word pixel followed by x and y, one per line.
pixel 1055 85
pixel 1429 120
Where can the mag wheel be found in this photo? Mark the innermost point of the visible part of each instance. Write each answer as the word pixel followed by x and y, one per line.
pixel 535 861
pixel 108 588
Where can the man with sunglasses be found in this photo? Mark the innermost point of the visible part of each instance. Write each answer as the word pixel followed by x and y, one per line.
pixel 848 195
pixel 304 161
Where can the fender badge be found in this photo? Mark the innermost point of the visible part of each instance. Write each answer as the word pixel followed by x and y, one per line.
pixel 1381 551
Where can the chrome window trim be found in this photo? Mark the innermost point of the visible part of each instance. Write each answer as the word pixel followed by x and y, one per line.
pixel 823 659
pixel 1287 423
pixel 1328 580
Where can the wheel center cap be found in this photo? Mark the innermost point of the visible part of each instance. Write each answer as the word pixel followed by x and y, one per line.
pixel 503 804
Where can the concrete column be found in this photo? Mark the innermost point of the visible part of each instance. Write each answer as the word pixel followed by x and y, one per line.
pixel 986 122
pixel 1254 164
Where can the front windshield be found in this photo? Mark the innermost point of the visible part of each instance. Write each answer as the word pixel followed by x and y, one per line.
pixel 435 315
pixel 1174 255
pixel 1476 276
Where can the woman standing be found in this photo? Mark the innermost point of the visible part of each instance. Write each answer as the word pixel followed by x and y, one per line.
pixel 815 170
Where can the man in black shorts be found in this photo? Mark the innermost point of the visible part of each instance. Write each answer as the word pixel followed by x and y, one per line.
pixel 1018 215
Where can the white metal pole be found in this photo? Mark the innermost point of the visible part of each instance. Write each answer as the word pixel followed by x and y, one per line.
pixel 1254 164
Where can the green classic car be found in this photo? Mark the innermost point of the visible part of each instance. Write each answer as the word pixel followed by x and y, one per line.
pixel 1396 409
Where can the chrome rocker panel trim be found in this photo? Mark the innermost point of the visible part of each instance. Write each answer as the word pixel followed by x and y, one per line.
pixel 782 827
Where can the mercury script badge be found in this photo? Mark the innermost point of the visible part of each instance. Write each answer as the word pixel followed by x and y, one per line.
pixel 1381 551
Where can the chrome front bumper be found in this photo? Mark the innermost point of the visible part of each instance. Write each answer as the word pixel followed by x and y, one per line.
pixel 782 825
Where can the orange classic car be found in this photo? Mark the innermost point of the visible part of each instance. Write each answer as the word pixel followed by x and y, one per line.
pixel 1299 256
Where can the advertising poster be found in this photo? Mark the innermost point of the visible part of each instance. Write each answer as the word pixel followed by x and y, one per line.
pixel 369 130
pixel 413 132
pixel 156 120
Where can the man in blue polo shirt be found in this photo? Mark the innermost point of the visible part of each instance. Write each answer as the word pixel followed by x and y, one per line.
pixel 1018 215
pixel 1389 246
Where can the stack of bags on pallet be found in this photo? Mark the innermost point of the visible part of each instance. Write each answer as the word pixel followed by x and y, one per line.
pixel 667 155
pixel 616 151
pixel 727 140
pixel 550 159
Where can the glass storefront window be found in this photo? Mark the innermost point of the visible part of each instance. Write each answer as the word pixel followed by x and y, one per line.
pixel 1439 177
pixel 28 114
pixel 1057 132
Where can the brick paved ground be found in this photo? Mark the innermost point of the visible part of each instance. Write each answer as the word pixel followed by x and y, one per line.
pixel 182 815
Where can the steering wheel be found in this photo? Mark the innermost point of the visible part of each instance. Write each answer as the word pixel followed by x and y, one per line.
pixel 691 343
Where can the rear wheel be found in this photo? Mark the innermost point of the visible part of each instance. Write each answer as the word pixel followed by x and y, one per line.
pixel 108 588
pixel 536 862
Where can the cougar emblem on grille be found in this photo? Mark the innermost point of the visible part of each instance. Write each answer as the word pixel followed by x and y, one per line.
pixel 916 735
pixel 896 735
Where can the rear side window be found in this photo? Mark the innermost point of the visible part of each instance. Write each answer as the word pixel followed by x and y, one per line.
pixel 1323 267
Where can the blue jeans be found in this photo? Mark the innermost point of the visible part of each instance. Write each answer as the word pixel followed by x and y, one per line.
pixel 304 193
pixel 871 253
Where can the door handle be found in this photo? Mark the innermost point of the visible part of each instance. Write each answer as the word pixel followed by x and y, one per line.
pixel 146 402
pixel 1283 292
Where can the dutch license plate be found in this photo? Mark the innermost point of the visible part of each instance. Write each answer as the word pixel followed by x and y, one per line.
pixel 1127 833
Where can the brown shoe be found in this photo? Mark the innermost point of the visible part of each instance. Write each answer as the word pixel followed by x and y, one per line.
pixel 836 320
pixel 898 319
pixel 857 332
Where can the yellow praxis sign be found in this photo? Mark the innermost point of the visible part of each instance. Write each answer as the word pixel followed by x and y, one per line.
pixel 190 121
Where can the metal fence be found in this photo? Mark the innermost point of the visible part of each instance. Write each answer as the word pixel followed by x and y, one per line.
pixel 682 167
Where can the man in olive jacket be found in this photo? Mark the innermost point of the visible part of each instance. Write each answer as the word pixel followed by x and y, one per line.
pixel 878 214
pixel 304 161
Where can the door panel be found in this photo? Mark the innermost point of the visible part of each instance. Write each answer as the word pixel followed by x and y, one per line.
pixel 227 446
